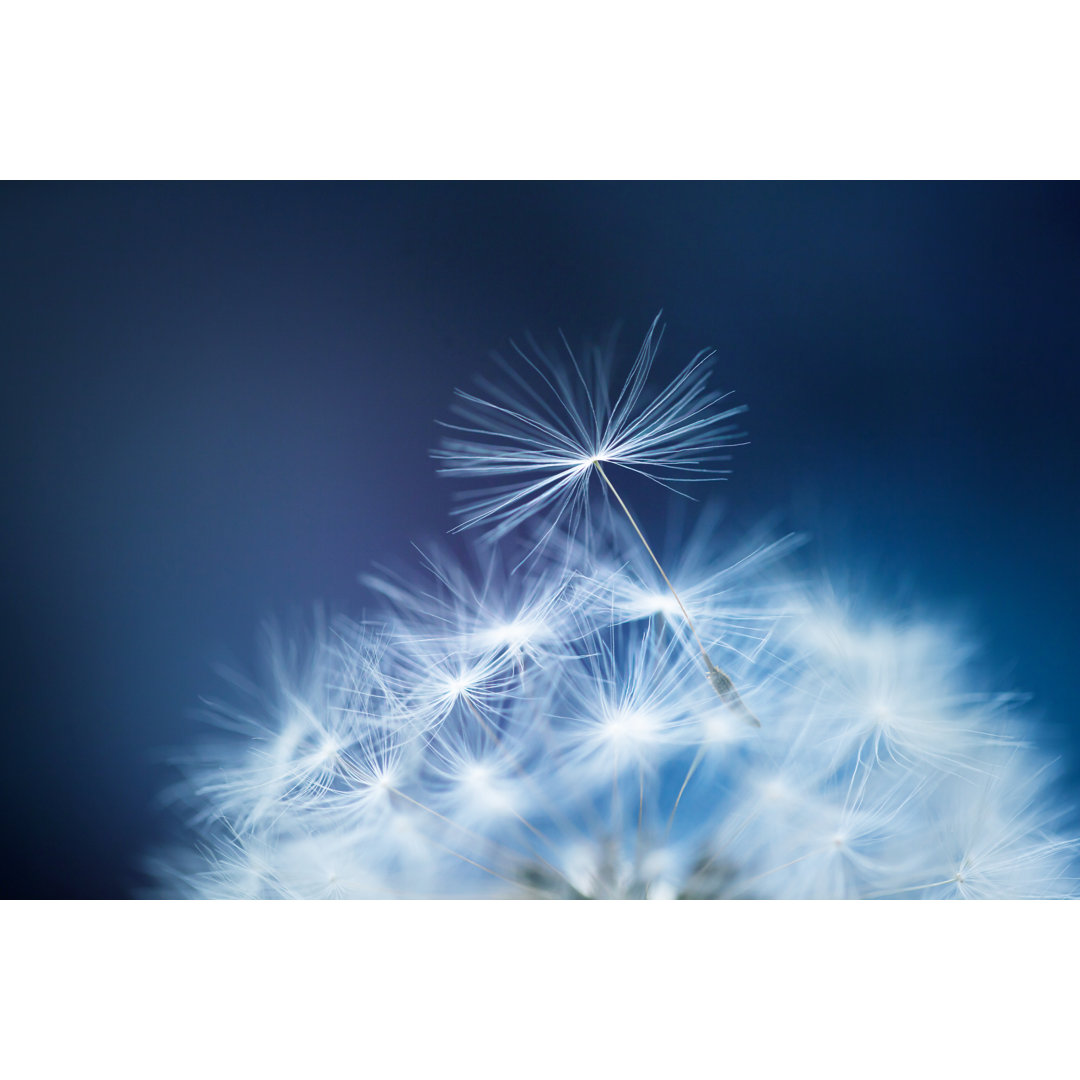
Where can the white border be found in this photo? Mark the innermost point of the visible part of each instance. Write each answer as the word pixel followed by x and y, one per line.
pixel 567 89
pixel 748 989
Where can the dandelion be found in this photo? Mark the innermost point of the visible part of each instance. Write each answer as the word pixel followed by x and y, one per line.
pixel 485 733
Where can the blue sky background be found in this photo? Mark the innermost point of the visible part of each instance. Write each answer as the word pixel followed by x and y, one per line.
pixel 218 399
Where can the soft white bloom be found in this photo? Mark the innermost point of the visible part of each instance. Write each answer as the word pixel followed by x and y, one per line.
pixel 550 732
pixel 607 773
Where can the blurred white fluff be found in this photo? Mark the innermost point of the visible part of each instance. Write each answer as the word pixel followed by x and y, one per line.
pixel 548 733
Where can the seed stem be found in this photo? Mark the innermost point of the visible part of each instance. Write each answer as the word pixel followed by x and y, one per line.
pixel 718 679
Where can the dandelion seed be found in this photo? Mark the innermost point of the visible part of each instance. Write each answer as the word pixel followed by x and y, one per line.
pixel 551 426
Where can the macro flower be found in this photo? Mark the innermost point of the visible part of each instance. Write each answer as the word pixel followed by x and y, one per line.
pixel 548 734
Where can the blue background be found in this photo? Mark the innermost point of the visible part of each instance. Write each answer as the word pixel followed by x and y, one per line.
pixel 218 399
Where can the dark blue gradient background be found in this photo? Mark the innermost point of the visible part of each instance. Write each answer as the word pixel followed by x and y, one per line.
pixel 217 402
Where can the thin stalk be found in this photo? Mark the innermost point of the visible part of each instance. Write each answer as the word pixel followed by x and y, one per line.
pixel 718 680
pixel 678 798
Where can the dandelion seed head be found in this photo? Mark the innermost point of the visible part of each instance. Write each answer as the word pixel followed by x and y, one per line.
pixel 496 729
pixel 614 773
